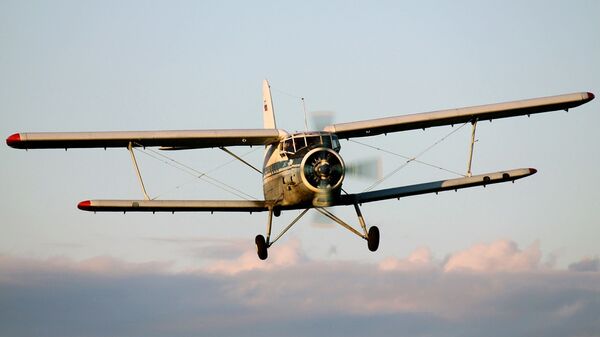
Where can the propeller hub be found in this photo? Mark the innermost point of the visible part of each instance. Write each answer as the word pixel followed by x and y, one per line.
pixel 322 170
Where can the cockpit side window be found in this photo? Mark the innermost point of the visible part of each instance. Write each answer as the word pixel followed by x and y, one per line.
pixel 336 143
pixel 313 140
pixel 299 142
pixel 326 141
pixel 288 146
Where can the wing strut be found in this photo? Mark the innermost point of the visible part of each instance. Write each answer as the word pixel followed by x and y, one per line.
pixel 342 223
pixel 474 127
pixel 137 170
pixel 240 159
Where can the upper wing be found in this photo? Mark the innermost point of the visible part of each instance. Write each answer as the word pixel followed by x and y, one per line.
pixel 173 205
pixel 456 116
pixel 436 186
pixel 170 139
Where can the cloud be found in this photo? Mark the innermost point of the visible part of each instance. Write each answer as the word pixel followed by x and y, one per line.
pixel 280 256
pixel 105 265
pixel 498 256
pixel 294 295
pixel 591 264
pixel 420 258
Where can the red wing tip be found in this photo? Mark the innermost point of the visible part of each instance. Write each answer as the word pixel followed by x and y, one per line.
pixel 84 205
pixel 591 96
pixel 532 170
pixel 13 140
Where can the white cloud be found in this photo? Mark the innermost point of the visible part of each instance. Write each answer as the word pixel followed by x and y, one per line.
pixel 498 256
pixel 420 258
pixel 284 255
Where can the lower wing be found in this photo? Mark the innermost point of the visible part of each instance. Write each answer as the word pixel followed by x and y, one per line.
pixel 262 205
pixel 173 206
pixel 436 186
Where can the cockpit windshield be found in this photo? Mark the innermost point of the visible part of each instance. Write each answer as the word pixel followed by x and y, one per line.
pixel 301 141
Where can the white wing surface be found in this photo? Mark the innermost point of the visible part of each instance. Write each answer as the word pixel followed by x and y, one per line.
pixel 187 139
pixel 457 116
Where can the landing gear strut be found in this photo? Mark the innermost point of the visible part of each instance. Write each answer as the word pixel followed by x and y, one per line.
pixel 262 244
pixel 371 235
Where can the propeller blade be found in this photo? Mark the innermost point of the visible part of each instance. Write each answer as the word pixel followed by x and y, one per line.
pixel 371 168
pixel 320 119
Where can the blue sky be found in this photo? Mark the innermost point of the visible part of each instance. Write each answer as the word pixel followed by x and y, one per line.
pixel 77 66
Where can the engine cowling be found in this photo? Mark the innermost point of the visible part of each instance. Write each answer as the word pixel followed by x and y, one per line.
pixel 322 171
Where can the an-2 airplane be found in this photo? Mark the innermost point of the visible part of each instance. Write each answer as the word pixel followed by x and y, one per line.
pixel 301 170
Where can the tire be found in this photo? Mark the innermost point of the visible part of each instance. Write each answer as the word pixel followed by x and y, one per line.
pixel 373 238
pixel 261 247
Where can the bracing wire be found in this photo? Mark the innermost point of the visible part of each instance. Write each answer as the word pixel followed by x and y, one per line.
pixel 412 159
pixel 196 173
pixel 408 158
pixel 202 176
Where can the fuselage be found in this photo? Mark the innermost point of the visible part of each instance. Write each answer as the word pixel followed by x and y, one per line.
pixel 303 169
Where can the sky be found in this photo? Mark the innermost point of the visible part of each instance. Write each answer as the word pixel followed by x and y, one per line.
pixel 519 259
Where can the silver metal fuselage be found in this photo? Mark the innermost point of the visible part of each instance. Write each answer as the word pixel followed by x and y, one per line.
pixel 303 169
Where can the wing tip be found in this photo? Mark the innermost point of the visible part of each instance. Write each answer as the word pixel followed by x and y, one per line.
pixel 85 205
pixel 14 140
pixel 591 96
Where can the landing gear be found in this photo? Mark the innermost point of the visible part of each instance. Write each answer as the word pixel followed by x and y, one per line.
pixel 371 235
pixel 261 247
pixel 373 238
pixel 262 244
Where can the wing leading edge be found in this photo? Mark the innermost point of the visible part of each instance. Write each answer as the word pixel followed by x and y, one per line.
pixel 457 116
pixel 170 139
pixel 436 186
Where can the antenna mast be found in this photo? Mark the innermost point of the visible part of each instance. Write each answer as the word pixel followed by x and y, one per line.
pixel 304 108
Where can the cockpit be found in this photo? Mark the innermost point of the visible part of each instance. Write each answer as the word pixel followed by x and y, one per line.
pixel 299 142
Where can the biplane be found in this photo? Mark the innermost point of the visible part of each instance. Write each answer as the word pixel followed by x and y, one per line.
pixel 301 170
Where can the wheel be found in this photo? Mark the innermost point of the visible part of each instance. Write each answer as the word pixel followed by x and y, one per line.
pixel 261 247
pixel 373 238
